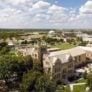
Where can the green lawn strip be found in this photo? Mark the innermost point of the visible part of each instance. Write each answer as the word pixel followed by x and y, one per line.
pixel 67 89
pixel 64 46
pixel 79 88
pixel 63 89
pixel 82 81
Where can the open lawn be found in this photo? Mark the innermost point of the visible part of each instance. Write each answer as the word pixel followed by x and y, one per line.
pixel 76 88
pixel 79 88
pixel 82 81
pixel 64 46
pixel 63 89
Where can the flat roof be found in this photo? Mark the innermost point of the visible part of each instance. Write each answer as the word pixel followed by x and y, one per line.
pixel 74 52
pixel 86 48
pixel 53 49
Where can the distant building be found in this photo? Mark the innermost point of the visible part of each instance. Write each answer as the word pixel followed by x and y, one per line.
pixel 51 33
pixel 11 43
pixel 85 37
pixel 89 45
pixel 88 51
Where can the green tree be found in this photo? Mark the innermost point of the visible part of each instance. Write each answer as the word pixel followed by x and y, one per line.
pixel 28 81
pixel 26 61
pixel 4 67
pixel 7 63
pixel 83 43
pixel 34 81
pixel 5 50
pixel 45 84
pixel 89 81
pixel 10 65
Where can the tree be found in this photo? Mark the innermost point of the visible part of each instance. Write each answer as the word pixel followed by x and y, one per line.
pixel 29 80
pixel 34 81
pixel 4 73
pixel 7 63
pixel 26 61
pixel 83 43
pixel 10 65
pixel 85 75
pixel 45 84
pixel 37 66
pixel 3 44
pixel 60 88
pixel 24 42
pixel 89 81
pixel 5 50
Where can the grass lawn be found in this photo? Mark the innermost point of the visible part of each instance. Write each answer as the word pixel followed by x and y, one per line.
pixel 63 89
pixel 76 88
pixel 82 81
pixel 79 88
pixel 64 46
pixel 67 89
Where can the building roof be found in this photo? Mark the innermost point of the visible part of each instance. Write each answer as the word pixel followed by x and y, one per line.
pixel 11 43
pixel 51 32
pixel 73 52
pixel 62 57
pixel 89 45
pixel 86 48
pixel 26 51
pixel 53 49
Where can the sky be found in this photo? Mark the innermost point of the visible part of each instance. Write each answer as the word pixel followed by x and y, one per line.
pixel 57 14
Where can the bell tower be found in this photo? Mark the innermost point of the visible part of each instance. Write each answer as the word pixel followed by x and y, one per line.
pixel 39 49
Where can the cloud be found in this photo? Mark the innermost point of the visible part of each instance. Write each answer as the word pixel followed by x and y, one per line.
pixel 40 13
pixel 56 9
pixel 15 2
pixel 87 8
pixel 41 5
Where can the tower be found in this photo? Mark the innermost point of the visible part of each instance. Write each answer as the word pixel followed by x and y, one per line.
pixel 39 49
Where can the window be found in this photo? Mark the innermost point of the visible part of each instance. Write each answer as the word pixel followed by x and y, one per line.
pixel 75 58
pixel 35 55
pixel 64 71
pixel 49 69
pixel 63 76
pixel 70 65
pixel 79 58
pixel 58 76
pixel 47 63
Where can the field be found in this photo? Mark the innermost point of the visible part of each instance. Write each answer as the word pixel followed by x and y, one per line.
pixel 76 88
pixel 64 46
pixel 79 88
pixel 82 81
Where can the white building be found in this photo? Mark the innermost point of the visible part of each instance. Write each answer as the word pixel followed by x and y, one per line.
pixel 51 33
pixel 85 37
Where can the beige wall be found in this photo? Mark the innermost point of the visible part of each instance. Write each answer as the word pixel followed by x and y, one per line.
pixel 60 71
pixel 89 54
pixel 79 60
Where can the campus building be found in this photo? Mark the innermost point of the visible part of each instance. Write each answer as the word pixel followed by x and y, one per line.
pixel 88 51
pixel 60 64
